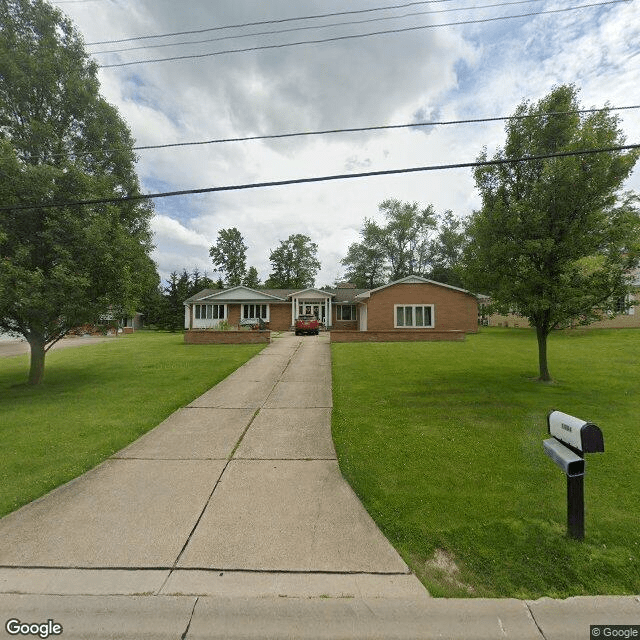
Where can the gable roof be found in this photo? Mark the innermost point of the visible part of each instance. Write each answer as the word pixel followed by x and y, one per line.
pixel 312 291
pixel 412 280
pixel 235 294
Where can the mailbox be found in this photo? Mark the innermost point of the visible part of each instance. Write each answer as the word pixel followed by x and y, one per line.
pixel 580 435
pixel 571 463
pixel 572 438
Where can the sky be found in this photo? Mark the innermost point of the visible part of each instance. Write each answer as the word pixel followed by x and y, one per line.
pixel 432 73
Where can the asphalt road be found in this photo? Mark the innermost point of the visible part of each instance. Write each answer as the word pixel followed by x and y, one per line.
pixel 10 348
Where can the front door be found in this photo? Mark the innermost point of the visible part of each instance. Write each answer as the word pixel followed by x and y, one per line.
pixel 313 309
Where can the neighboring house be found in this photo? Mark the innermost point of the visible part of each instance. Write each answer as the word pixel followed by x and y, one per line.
pixel 412 303
pixel 625 317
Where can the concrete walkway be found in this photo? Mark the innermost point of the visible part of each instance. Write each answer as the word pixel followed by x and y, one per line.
pixel 231 520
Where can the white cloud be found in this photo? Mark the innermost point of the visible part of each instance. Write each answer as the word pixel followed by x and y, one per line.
pixel 445 73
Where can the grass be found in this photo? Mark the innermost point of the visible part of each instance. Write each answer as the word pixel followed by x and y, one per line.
pixel 95 400
pixel 442 441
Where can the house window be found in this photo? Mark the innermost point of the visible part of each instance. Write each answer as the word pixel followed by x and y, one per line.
pixel 255 311
pixel 624 306
pixel 345 312
pixel 209 312
pixel 413 316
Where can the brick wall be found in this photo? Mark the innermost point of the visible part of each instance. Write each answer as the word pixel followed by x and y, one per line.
pixel 345 325
pixel 453 310
pixel 204 336
pixel 233 314
pixel 280 317
pixel 396 335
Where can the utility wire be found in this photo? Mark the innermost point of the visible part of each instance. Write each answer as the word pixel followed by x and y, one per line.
pixel 307 28
pixel 275 21
pixel 411 125
pixel 359 35
pixel 343 176
pixel 277 136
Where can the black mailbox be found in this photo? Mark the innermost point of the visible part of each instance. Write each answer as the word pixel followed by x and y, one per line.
pixel 572 438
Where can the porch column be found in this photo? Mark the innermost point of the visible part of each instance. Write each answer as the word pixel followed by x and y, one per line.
pixel 328 308
pixel 293 311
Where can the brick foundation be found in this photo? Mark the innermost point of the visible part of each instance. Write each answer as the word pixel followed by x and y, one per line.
pixel 396 335
pixel 204 336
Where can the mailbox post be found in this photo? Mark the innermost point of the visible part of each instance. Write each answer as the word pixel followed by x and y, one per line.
pixel 571 439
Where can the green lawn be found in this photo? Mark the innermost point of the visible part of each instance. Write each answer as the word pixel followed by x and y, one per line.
pixel 95 400
pixel 442 441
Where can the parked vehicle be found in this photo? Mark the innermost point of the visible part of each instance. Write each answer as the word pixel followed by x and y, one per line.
pixel 307 325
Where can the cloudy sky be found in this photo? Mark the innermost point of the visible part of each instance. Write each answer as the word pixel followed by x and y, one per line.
pixel 438 73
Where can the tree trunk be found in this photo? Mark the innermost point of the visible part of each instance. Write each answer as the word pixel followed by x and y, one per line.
pixel 542 331
pixel 36 371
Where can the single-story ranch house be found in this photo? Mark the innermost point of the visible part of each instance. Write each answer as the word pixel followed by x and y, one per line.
pixel 624 318
pixel 412 308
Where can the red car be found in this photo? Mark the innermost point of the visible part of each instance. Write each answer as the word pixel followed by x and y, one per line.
pixel 308 325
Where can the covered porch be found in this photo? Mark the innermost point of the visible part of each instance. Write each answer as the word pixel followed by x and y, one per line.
pixel 313 302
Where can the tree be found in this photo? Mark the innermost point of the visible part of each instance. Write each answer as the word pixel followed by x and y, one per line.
pixel 446 250
pixel 251 279
pixel 366 261
pixel 406 237
pixel 399 248
pixel 555 239
pixel 60 141
pixel 165 308
pixel 294 263
pixel 230 256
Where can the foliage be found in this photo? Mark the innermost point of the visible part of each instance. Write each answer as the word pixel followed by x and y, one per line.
pixel 412 241
pixel 230 256
pixel 442 442
pixel 95 400
pixel 164 309
pixel 446 250
pixel 555 240
pixel 365 260
pixel 251 278
pixel 61 141
pixel 294 263
pixel 406 237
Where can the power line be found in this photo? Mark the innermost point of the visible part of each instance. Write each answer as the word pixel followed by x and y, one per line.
pixel 277 136
pixel 379 128
pixel 274 21
pixel 359 35
pixel 344 176
pixel 307 28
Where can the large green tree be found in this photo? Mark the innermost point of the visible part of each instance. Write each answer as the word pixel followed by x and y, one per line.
pixel 294 263
pixel 230 256
pixel 366 261
pixel 399 247
pixel 60 141
pixel 406 237
pixel 555 239
pixel 446 250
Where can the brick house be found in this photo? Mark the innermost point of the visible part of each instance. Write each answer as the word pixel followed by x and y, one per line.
pixel 411 308
pixel 624 318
